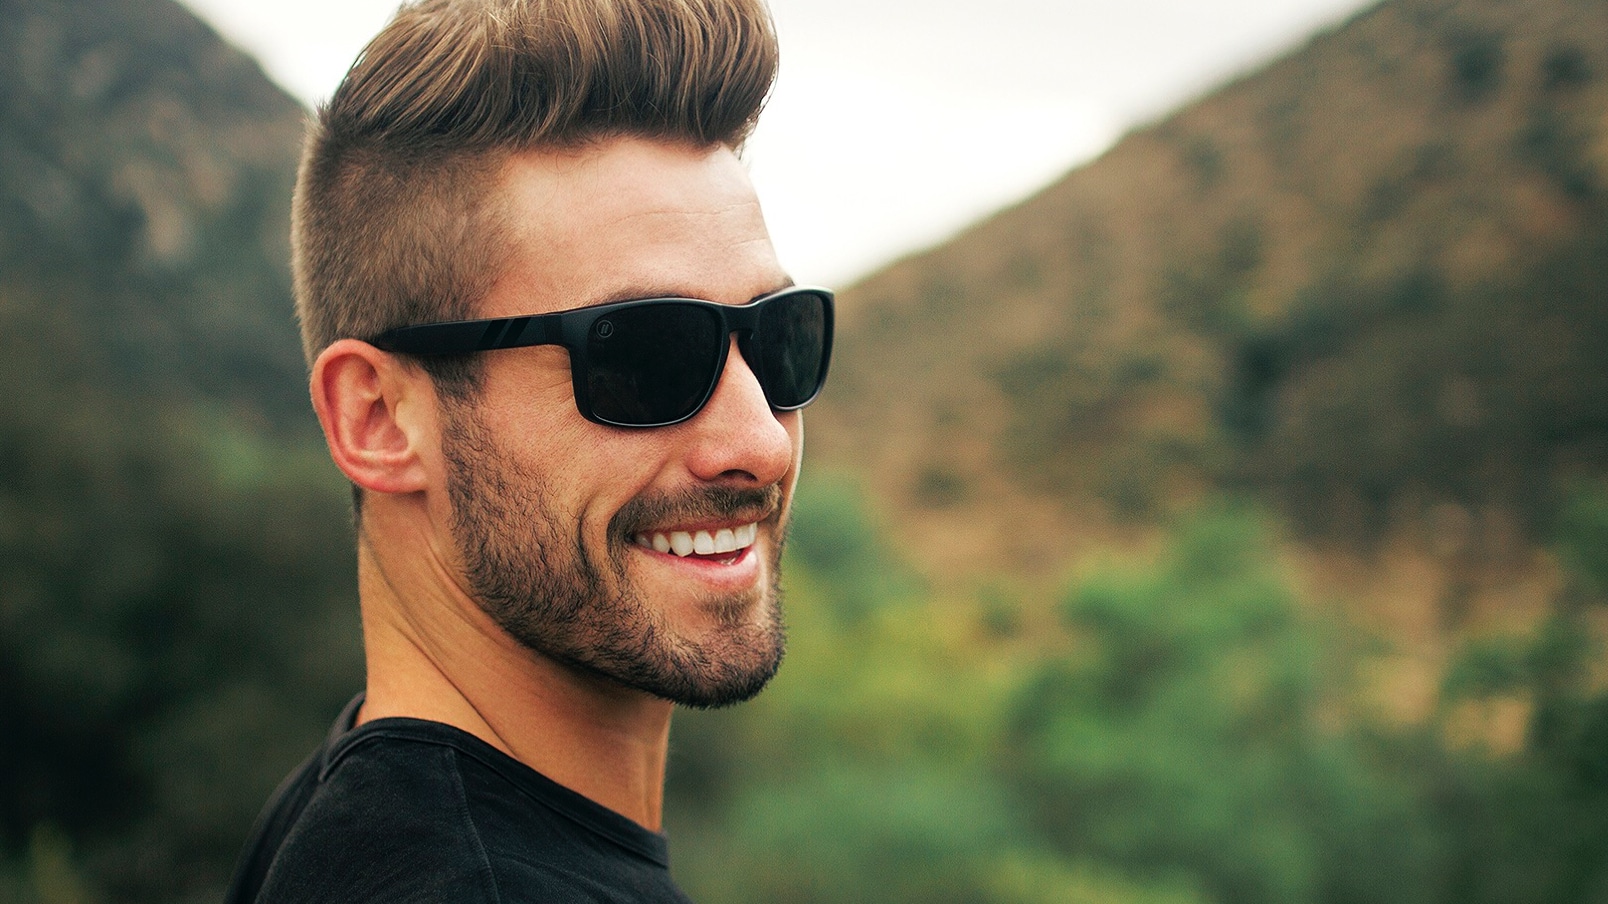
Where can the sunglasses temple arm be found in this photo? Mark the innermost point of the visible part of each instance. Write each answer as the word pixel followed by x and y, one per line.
pixel 521 332
pixel 467 336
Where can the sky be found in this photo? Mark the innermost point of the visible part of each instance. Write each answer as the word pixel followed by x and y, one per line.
pixel 895 123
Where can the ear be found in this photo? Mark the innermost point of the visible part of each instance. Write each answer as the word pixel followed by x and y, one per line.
pixel 378 416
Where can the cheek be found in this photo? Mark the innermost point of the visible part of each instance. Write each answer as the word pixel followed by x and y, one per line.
pixel 793 421
pixel 598 470
pixel 526 382
pixel 527 406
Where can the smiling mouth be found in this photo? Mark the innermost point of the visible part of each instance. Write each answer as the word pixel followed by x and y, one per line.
pixel 722 542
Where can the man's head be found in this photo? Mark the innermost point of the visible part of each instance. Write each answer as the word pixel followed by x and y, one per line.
pixel 504 159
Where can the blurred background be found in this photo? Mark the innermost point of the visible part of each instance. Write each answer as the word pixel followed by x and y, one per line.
pixel 1209 504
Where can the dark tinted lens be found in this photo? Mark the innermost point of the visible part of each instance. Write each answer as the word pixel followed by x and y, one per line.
pixel 791 340
pixel 652 364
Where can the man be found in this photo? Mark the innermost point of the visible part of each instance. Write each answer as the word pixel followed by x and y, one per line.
pixel 566 522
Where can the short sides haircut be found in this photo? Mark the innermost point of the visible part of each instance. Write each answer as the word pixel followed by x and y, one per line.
pixel 394 221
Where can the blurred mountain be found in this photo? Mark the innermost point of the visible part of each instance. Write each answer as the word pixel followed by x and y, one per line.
pixel 1367 285
pixel 144 171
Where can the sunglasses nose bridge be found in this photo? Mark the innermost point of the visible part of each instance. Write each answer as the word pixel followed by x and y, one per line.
pixel 745 347
pixel 740 322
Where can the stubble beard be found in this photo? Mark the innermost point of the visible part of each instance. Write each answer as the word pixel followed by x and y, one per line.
pixel 530 569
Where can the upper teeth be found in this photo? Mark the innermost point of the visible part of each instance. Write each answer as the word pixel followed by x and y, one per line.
pixel 702 542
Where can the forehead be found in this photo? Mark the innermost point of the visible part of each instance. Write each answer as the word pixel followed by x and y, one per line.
pixel 630 218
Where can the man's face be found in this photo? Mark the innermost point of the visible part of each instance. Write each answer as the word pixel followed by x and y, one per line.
pixel 554 518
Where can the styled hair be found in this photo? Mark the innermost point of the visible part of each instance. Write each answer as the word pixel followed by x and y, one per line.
pixel 395 220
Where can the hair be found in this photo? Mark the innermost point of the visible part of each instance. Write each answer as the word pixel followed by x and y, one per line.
pixel 395 219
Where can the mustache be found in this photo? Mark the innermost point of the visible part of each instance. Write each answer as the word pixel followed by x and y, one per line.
pixel 717 503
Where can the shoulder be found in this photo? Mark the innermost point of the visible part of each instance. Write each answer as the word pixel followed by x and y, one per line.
pixel 403 810
pixel 387 822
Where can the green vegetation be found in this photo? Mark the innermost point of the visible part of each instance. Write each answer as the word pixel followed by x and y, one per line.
pixel 1187 730
pixel 176 625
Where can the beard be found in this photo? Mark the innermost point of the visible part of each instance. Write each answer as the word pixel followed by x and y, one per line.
pixel 529 568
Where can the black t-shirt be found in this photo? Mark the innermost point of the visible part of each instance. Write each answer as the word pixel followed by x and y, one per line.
pixel 404 810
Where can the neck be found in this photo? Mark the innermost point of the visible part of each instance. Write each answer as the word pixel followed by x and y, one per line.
pixel 432 653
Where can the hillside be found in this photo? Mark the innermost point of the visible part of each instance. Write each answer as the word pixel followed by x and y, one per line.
pixel 1364 285
pixel 144 167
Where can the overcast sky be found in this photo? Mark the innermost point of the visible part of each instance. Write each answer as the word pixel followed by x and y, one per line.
pixel 896 122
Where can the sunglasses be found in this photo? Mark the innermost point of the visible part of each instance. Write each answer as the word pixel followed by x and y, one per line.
pixel 654 362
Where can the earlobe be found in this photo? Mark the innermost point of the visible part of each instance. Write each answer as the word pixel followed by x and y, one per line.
pixel 370 407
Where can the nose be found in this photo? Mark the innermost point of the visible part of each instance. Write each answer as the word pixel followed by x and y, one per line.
pixel 737 436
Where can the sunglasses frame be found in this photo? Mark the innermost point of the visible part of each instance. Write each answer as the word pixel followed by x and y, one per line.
pixel 572 328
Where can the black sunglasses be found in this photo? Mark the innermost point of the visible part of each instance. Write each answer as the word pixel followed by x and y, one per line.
pixel 653 362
